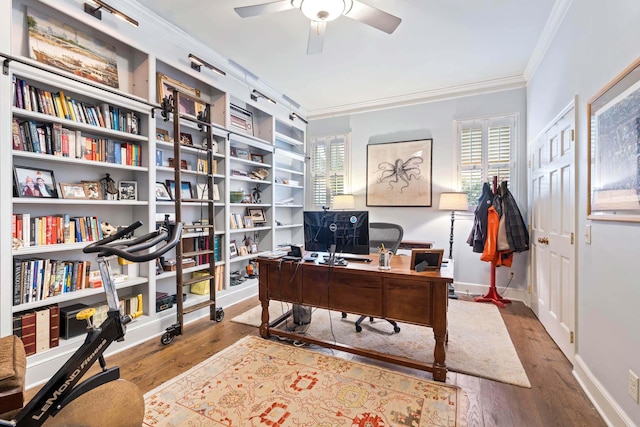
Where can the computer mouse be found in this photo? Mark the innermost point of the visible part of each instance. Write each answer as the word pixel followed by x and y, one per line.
pixel 314 254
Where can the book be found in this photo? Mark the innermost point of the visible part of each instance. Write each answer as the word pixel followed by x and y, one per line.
pixel 54 325
pixel 42 330
pixel 29 332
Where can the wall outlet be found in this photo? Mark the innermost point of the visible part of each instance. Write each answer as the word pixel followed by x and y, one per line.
pixel 632 386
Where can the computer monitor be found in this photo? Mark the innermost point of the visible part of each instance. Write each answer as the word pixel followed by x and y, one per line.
pixel 347 230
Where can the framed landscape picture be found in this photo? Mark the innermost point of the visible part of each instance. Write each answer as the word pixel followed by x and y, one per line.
pixel 188 105
pixel 399 173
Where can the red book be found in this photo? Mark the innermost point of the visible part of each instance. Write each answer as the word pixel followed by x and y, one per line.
pixel 49 230
pixel 29 332
pixel 54 326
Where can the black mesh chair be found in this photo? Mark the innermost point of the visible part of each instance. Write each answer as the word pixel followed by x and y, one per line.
pixel 389 235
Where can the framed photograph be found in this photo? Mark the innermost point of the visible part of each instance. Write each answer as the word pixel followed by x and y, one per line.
pixel 202 166
pixel 72 191
pixel 159 157
pixel 242 153
pixel 188 105
pixel 614 170
pixel 241 119
pixel 248 222
pixel 60 45
pixel 162 135
pixel 399 173
pixel 243 251
pixel 257 215
pixel 257 158
pixel 233 249
pixel 253 248
pixel 34 182
pixel 183 163
pixel 186 138
pixel 93 190
pixel 426 259
pixel 128 190
pixel 162 193
pixel 185 189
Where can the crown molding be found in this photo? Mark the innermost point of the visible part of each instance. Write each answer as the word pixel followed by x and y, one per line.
pixel 558 12
pixel 440 94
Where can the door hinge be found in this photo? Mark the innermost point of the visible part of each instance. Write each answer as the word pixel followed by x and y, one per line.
pixel 573 134
pixel 572 237
pixel 571 337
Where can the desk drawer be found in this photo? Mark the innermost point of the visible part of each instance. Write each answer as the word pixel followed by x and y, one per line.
pixel 349 291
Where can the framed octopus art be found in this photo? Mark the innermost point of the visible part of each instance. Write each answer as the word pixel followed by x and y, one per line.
pixel 399 173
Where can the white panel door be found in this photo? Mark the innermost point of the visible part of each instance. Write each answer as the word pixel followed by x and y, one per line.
pixel 552 208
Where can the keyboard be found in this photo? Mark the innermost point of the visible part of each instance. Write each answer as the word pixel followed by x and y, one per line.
pixel 354 258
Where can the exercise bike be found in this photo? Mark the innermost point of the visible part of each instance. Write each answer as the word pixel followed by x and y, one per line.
pixel 103 399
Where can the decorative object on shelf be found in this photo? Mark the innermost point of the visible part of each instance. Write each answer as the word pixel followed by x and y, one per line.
pixel 243 251
pixel 159 157
pixel 162 135
pixel 241 119
pixel 166 85
pixel 197 63
pixel 233 249
pixel 256 94
pixel 257 215
pixel 260 174
pixel 256 194
pixel 258 158
pixel 399 173
pixel 614 174
pixel 128 190
pixel 82 55
pixel 248 222
pixel 34 182
pixel 183 163
pixel 72 191
pixel 92 189
pixel 202 166
pixel 107 229
pixel 186 138
pixel 96 12
pixel 109 188
pixel 242 153
pixel 236 196
pixel 162 193
pixel 185 189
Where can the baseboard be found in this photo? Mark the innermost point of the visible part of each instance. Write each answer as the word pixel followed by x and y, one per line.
pixel 609 410
pixel 467 291
pixel 40 367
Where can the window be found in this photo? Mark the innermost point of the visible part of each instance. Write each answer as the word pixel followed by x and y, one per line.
pixel 328 168
pixel 485 151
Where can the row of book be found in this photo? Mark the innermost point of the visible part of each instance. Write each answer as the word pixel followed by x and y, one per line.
pixel 55 229
pixel 52 138
pixel 39 329
pixel 201 243
pixel 36 279
pixel 31 98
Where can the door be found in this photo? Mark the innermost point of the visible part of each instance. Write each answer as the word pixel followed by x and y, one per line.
pixel 552 208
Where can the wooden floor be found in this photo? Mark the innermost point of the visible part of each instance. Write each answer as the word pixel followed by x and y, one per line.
pixel 555 398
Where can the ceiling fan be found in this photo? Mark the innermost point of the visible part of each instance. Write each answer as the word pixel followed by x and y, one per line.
pixel 322 11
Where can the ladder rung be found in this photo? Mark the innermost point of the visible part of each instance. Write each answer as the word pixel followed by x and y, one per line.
pixel 202 201
pixel 194 226
pixel 195 253
pixel 196 280
pixel 198 306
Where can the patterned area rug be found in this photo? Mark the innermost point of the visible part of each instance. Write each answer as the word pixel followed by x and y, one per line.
pixel 258 382
pixel 479 343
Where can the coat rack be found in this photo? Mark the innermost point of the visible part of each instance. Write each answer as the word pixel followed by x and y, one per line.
pixel 493 295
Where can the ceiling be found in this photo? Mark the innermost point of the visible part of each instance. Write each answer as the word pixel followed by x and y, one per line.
pixel 441 46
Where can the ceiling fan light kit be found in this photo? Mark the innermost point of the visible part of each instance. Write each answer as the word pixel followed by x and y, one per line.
pixel 323 10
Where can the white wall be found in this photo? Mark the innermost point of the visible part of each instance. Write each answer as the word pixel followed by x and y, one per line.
pixel 596 41
pixel 435 120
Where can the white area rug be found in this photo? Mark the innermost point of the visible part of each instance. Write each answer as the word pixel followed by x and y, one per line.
pixel 479 343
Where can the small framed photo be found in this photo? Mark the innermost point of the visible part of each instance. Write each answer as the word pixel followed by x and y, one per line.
pixel 426 259
pixel 243 251
pixel 128 190
pixel 202 166
pixel 253 248
pixel 186 138
pixel 93 190
pixel 257 215
pixel 241 153
pixel 248 222
pixel 233 249
pixel 72 191
pixel 185 189
pixel 162 135
pixel 233 151
pixel 257 158
pixel 162 193
pixel 159 157
pixel 34 182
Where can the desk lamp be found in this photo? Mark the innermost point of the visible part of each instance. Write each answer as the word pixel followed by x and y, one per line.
pixel 453 202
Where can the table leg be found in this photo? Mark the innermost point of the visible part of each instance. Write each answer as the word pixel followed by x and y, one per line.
pixel 264 326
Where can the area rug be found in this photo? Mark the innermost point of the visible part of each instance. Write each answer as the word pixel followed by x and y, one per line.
pixel 479 343
pixel 262 382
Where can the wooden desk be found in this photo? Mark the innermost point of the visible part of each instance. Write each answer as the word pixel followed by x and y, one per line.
pixel 399 294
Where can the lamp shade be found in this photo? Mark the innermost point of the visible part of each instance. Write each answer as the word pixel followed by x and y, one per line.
pixel 344 201
pixel 323 10
pixel 453 202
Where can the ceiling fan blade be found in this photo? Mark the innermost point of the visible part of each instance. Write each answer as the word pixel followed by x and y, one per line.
pixel 316 37
pixel 263 9
pixel 374 17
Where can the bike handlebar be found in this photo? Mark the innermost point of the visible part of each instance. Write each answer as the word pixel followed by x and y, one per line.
pixel 126 249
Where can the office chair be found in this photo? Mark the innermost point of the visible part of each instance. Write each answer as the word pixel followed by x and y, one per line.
pixel 389 235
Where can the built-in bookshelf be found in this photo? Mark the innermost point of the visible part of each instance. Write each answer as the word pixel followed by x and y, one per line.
pixel 105 156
